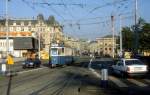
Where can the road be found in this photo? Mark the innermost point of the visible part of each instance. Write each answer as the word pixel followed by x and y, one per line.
pixel 77 79
pixel 128 86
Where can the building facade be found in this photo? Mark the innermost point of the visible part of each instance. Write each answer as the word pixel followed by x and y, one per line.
pixel 105 45
pixel 38 28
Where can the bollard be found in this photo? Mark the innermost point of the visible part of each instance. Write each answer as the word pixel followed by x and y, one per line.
pixel 3 68
pixel 104 78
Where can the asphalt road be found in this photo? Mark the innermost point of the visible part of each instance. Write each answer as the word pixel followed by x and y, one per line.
pixel 77 79
pixel 128 86
pixel 68 80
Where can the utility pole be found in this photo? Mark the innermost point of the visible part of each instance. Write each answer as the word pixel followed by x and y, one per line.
pixel 136 30
pixel 120 35
pixel 39 43
pixel 112 24
pixel 39 38
pixel 7 30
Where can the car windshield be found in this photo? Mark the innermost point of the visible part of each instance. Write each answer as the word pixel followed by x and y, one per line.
pixel 133 62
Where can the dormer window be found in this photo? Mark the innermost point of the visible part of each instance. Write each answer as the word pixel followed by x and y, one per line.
pixel 29 23
pixel 22 23
pixel 14 23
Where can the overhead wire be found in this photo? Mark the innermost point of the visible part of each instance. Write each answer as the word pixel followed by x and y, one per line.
pixel 107 4
pixel 79 21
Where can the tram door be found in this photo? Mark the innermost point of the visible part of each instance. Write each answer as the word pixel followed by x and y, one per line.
pixel 62 57
pixel 54 55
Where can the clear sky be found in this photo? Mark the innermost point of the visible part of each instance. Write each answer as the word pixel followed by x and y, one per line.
pixel 80 18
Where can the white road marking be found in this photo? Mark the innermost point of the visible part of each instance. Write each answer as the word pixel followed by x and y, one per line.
pixel 91 69
pixel 147 80
pixel 113 79
pixel 117 82
pixel 21 72
pixel 138 83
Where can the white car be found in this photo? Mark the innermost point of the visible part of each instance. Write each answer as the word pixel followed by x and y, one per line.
pixel 130 67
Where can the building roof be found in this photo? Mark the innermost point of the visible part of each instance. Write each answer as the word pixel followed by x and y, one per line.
pixel 25 21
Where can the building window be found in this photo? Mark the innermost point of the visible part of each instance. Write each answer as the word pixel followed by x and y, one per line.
pixel 18 29
pixel 18 23
pixel 11 29
pixel 105 48
pixel 105 44
pixel 29 28
pixel 22 23
pixel 14 28
pixel 11 44
pixel 26 29
pixel 22 28
pixel 110 49
pixel 29 23
pixel 14 23
pixel 0 43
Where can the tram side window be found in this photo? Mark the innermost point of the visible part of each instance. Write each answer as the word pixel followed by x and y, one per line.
pixel 61 51
pixel 54 51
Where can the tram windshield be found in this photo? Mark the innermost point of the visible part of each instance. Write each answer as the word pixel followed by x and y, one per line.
pixel 54 51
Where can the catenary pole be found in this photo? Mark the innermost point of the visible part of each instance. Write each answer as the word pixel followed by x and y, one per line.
pixel 7 30
pixel 120 35
pixel 136 29
pixel 113 30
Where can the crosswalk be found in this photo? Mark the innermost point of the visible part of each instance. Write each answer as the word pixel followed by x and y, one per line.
pixel 138 83
pixel 123 82
pixel 120 83
pixel 147 80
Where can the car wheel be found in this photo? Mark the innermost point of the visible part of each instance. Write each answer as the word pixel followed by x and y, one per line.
pixel 38 65
pixel 34 66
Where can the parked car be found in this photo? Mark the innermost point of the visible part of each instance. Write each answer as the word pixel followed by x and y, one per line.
pixel 130 67
pixel 31 63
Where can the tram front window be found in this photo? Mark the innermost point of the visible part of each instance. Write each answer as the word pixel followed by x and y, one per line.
pixel 54 51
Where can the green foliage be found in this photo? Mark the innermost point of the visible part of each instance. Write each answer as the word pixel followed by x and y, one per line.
pixel 127 38
pixel 145 37
pixel 143 33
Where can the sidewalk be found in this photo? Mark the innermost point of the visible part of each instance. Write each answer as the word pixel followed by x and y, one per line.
pixel 15 60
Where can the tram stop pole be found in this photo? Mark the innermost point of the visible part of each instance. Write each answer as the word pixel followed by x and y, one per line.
pixel 104 77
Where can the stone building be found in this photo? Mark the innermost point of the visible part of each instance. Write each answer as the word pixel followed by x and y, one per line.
pixel 105 45
pixel 38 28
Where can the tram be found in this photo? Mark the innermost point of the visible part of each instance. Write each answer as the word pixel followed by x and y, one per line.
pixel 60 55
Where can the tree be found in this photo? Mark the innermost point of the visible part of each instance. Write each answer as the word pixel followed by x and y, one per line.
pixel 145 37
pixel 127 38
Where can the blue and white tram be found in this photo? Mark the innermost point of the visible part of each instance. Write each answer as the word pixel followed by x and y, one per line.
pixel 60 55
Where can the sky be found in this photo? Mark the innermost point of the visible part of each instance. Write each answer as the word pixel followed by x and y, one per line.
pixel 87 19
